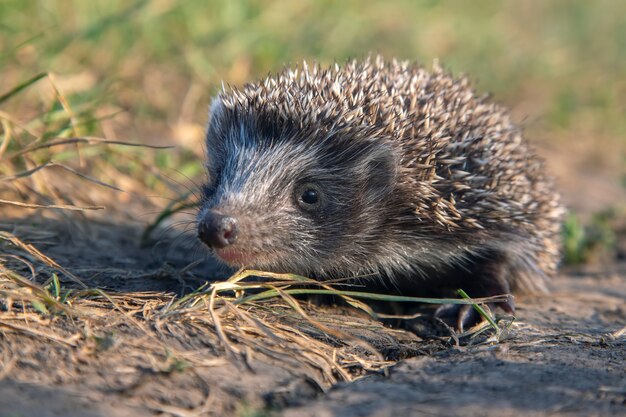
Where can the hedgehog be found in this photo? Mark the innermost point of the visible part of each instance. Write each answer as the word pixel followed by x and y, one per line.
pixel 380 172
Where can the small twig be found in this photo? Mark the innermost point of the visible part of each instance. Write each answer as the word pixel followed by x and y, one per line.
pixel 218 326
pixel 50 206
pixel 619 333
pixel 85 139
pixel 48 261
pixel 35 332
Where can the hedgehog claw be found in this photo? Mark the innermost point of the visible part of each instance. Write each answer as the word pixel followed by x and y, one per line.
pixel 508 306
pixel 460 316
pixel 465 316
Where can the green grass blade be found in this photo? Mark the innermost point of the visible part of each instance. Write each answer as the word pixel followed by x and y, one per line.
pixel 15 90
pixel 356 294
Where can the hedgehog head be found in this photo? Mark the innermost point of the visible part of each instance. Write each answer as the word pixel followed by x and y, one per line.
pixel 285 193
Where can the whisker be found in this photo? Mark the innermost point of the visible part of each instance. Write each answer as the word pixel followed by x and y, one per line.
pixel 193 191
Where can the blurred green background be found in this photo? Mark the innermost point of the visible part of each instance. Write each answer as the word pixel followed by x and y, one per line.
pixel 561 64
pixel 146 70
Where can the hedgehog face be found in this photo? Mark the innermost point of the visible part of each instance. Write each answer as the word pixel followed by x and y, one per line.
pixel 280 198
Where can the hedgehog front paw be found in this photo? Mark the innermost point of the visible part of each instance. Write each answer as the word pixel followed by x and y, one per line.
pixel 464 316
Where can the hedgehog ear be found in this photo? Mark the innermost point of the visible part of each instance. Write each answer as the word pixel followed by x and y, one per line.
pixel 216 132
pixel 380 166
pixel 216 123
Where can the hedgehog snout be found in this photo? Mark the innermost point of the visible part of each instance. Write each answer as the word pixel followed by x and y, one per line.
pixel 217 230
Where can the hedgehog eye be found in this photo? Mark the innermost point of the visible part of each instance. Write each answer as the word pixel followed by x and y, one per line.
pixel 308 196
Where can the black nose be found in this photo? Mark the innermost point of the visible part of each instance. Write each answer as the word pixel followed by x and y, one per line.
pixel 217 230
